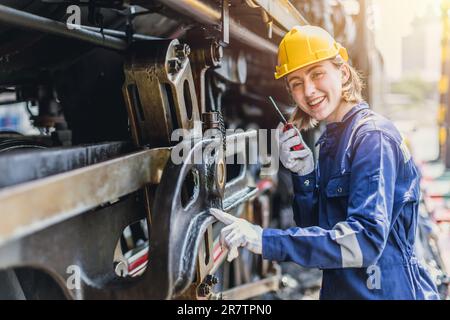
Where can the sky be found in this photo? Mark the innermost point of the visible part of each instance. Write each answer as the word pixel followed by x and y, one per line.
pixel 392 21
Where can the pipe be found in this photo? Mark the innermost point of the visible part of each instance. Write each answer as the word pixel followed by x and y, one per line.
pixel 31 21
pixel 120 34
pixel 201 12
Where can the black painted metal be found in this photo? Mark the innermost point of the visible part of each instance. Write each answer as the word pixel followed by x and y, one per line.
pixel 178 230
pixel 27 165
pixel 30 21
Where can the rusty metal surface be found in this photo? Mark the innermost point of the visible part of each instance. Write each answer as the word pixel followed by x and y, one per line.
pixel 26 208
pixel 159 92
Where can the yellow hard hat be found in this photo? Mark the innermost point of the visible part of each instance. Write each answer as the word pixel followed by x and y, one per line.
pixel 305 45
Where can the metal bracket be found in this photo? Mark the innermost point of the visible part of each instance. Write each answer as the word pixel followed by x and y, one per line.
pixel 225 21
pixel 159 92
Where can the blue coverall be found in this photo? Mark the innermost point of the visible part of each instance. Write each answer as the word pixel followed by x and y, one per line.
pixel 357 214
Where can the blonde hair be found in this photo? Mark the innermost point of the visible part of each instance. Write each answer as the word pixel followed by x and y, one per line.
pixel 351 92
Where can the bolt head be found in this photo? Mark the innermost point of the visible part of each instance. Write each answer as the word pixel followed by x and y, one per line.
pixel 187 50
pixel 203 290
pixel 211 280
pixel 182 51
pixel 121 269
pixel 174 65
pixel 218 52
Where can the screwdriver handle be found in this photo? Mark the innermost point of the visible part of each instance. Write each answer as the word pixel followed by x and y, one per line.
pixel 297 147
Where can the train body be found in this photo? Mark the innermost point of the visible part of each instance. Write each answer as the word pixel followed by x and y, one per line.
pixel 93 204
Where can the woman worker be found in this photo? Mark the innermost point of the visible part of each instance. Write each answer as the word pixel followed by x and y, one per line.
pixel 356 211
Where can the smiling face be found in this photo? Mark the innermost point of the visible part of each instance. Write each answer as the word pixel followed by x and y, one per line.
pixel 317 90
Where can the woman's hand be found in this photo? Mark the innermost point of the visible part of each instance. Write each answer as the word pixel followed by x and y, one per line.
pixel 300 162
pixel 238 233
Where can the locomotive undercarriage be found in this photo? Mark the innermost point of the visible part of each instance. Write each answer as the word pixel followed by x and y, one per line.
pixel 97 193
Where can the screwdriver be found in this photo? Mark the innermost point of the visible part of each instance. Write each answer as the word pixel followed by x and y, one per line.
pixel 287 126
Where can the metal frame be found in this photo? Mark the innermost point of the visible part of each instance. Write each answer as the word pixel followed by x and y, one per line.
pixel 158 77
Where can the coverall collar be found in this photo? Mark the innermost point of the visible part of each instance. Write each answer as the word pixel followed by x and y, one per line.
pixel 333 127
pixel 360 106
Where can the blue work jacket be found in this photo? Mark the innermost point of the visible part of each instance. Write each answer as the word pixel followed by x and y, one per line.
pixel 357 214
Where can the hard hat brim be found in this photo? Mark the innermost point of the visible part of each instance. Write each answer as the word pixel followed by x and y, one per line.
pixel 342 52
pixel 279 76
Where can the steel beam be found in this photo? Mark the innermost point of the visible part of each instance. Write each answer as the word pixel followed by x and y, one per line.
pixel 33 206
pixel 27 165
pixel 282 11
pixel 203 13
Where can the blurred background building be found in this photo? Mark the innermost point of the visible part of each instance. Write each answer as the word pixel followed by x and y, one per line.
pixel 408 34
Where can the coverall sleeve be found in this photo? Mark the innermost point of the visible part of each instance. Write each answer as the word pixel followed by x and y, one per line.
pixel 305 204
pixel 360 239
